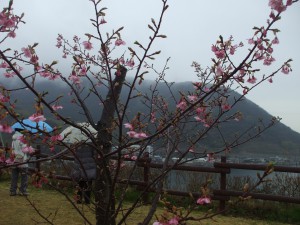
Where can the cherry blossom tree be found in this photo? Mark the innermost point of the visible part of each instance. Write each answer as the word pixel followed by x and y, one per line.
pixel 100 72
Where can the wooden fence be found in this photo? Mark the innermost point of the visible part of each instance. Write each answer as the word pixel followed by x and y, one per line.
pixel 222 168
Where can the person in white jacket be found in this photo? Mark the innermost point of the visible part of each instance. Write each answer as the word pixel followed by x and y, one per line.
pixel 22 169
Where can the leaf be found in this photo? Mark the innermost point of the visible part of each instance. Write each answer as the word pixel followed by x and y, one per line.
pixel 54 63
pixel 155 53
pixel 34 45
pixel 131 50
pixel 121 28
pixel 161 36
pixel 10 4
pixel 141 75
pixel 151 27
pixel 100 14
pixel 153 21
pixel 88 35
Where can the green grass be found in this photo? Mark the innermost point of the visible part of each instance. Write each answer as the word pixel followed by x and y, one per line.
pixel 18 210
pixel 268 210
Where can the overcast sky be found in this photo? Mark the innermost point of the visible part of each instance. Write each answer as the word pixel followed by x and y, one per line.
pixel 191 26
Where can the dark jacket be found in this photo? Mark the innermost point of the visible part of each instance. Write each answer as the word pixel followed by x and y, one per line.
pixel 85 165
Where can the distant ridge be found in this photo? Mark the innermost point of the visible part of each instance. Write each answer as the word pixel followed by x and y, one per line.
pixel 278 140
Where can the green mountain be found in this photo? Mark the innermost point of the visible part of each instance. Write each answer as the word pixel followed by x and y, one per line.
pixel 277 140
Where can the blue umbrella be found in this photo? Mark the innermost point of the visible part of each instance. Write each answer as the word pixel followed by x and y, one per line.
pixel 32 126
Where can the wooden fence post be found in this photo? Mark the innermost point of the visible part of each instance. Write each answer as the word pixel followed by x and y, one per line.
pixel 222 185
pixel 146 176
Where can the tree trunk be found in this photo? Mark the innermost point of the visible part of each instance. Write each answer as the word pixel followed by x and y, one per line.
pixel 104 195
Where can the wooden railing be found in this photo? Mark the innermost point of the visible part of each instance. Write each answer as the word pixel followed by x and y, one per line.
pixel 223 168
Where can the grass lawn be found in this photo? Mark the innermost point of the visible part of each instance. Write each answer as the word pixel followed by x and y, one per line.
pixel 17 210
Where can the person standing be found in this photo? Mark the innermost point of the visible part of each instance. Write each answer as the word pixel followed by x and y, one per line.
pixel 84 172
pixel 20 156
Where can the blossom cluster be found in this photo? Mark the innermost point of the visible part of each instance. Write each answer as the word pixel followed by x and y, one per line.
pixel 8 22
pixel 279 6
pixel 38 179
pixel 134 134
pixel 172 221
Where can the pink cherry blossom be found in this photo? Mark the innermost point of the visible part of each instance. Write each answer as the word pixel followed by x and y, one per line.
pixel 174 221
pixel 57 107
pixel 27 52
pixel 197 118
pixel 197 85
pixel 200 110
pixel 11 34
pixel 54 76
pixel 7 20
pixel 252 80
pixel 128 125
pixel 226 107
pixel 203 200
pixel 157 223
pixel 220 54
pixel 102 21
pixel 56 138
pixel 83 71
pixel 59 42
pixel 34 59
pixel 9 74
pixel 277 5
pixel 134 157
pixel 9 161
pixel 206 89
pixel 74 78
pixel 130 63
pixel 272 15
pixel 275 41
pixel 285 69
pixel 28 150
pixel 270 80
pixel 142 135
pixel 214 48
pixel 45 73
pixel 259 56
pixel 5 128
pixel 36 117
pixel 2 159
pixel 232 50
pixel 134 134
pixel 4 98
pixel 219 71
pixel 4 65
pixel 87 45
pixel 22 139
pixel 191 150
pixel 181 105
pixel 250 41
pixel 268 60
pixel 269 50
pixel 119 42
pixel 192 98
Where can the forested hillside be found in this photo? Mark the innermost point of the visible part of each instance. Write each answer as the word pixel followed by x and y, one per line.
pixel 278 140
